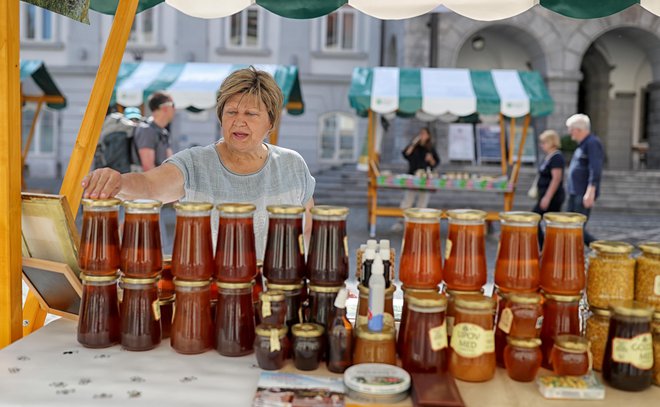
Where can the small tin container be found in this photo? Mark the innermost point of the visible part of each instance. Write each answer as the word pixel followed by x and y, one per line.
pixel 376 383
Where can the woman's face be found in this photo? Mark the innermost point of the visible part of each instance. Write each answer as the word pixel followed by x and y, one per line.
pixel 424 136
pixel 245 123
pixel 546 145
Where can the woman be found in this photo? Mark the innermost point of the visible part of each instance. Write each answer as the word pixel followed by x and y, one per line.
pixel 550 178
pixel 240 167
pixel 421 155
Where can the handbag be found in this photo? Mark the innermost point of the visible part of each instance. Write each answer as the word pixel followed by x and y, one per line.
pixel 533 191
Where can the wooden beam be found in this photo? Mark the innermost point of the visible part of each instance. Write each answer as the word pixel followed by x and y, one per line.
pixel 503 145
pixel 33 314
pixel 90 129
pixel 516 169
pixel 43 98
pixel 33 127
pixel 512 140
pixel 10 175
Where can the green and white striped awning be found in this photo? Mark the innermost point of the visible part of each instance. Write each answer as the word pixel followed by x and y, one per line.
pixel 37 82
pixel 442 92
pixel 195 85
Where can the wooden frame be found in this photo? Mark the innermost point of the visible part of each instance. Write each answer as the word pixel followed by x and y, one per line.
pixel 55 286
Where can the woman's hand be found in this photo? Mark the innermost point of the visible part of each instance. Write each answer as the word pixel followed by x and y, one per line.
pixel 545 202
pixel 101 184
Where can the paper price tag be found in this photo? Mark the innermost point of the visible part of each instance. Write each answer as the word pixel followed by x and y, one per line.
pixel 265 308
pixel 301 244
pixel 506 320
pixel 450 325
pixel 438 337
pixel 155 307
pixel 274 341
pixel 448 245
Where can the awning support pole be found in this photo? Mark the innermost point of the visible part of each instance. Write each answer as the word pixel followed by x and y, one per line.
pixel 372 191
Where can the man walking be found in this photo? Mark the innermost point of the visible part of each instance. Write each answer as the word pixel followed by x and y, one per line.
pixel 585 168
pixel 153 139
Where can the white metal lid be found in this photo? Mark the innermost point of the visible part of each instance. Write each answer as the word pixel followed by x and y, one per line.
pixel 376 379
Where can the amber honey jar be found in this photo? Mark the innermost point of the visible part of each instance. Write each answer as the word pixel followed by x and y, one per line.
pixel 520 315
pixel 166 281
pixel 522 358
pixel 284 261
pixel 234 321
pixel 308 345
pixel 166 314
pixel 140 314
pixel 327 260
pixel 192 255
pixel 517 264
pixel 421 255
pixel 570 355
pixel 597 327
pixel 235 253
pixel 561 315
pixel 408 292
pixel 271 346
pixel 647 278
pixel 465 265
pixel 562 259
pixel 375 347
pixel 99 252
pixel 141 252
pixel 192 326
pixel 99 321
pixel 611 273
pixel 363 300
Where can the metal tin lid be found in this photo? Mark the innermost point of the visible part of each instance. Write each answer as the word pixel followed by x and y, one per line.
pixel 327 210
pixel 307 330
pixel 520 217
pixel 240 207
pixel 98 279
pixel 285 209
pixel 193 206
pixel 271 295
pixel 422 213
pixel 572 343
pixel 323 289
pixel 283 287
pixel 266 329
pixel 562 298
pixel 427 301
pixel 142 204
pixel 523 298
pixel 128 280
pixel 475 302
pixel 100 203
pixel 650 247
pixel 565 217
pixel 234 286
pixel 602 312
pixel 524 343
pixel 632 309
pixel 377 379
pixel 387 333
pixel 466 214
pixel 607 246
pixel 183 283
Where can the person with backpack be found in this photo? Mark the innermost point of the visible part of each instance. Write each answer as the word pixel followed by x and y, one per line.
pixel 116 148
pixel 152 138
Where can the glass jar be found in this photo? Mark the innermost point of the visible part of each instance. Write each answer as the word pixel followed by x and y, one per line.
pixel 271 346
pixel 272 307
pixel 235 254
pixel 98 320
pixel 192 327
pixel 308 346
pixel 451 308
pixel 421 253
pixel 140 314
pixel 562 259
pixel 465 268
pixel 628 360
pixel 407 292
pixel 99 252
pixel 166 281
pixel 166 314
pixel 424 344
pixel 375 347
pixel 561 315
pixel 472 356
pixel 570 355
pixel 611 273
pixel 656 348
pixel 293 297
pixel 192 255
pixel 517 264
pixel 647 279
pixel 598 325
pixel 520 315
pixel 522 358
pixel 141 252
pixel 234 320
pixel 284 261
pixel 327 261
pixel 321 303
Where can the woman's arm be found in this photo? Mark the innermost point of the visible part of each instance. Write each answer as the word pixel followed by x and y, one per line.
pixel 307 232
pixel 557 175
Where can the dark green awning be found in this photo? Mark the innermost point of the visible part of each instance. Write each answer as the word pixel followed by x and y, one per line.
pixel 36 81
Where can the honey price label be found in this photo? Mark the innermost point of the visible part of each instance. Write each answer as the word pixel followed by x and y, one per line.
pixel 438 337
pixel 265 308
pixel 539 322
pixel 656 285
pixel 450 325
pixel 506 320
pixel 301 244
pixel 471 341
pixel 275 341
pixel 346 245
pixel 448 245
pixel 637 351
pixel 155 307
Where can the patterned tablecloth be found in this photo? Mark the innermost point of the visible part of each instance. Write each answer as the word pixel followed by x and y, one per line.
pixel 499 184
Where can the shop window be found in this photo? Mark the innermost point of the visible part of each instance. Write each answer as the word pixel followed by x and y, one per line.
pixel 339 31
pixel 145 28
pixel 37 24
pixel 244 29
pixel 44 139
pixel 337 137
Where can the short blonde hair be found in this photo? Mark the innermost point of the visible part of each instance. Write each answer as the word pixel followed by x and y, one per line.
pixel 254 83
pixel 551 137
pixel 579 121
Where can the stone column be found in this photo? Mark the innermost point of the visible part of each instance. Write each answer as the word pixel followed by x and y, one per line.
pixel 653 126
pixel 563 88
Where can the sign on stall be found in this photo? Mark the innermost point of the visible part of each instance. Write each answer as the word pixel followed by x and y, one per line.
pixel 529 151
pixel 461 142
pixel 488 143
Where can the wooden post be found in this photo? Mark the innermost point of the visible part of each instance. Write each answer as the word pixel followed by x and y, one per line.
pixel 512 140
pixel 372 191
pixel 33 315
pixel 90 129
pixel 503 145
pixel 516 168
pixel 10 175
pixel 33 127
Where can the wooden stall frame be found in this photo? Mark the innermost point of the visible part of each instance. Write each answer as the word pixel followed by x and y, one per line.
pixel 55 268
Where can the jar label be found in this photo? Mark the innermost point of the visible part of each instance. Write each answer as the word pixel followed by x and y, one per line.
pixel 506 320
pixel 301 244
pixel 450 325
pixel 471 341
pixel 265 308
pixel 346 245
pixel 447 248
pixel 656 285
pixel 438 337
pixel 155 307
pixel 274 341
pixel 539 322
pixel 637 351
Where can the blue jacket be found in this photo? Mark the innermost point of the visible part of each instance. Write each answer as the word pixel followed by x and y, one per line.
pixel 586 166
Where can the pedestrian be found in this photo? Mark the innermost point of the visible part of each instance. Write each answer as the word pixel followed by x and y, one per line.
pixel 152 138
pixel 584 171
pixel 550 193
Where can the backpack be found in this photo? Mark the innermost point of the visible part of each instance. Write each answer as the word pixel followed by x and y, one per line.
pixel 116 147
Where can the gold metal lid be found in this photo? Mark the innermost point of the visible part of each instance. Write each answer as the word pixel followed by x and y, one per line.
pixel 98 279
pixel 427 301
pixel 285 209
pixel 530 343
pixel 411 290
pixel 603 312
pixel 387 333
pixel 323 289
pixel 565 217
pixel 422 213
pixel 632 309
pixel 475 302
pixel 128 280
pixel 183 283
pixel 271 295
pixel 523 298
pixel 193 206
pixel 365 290
pixel 240 207
pixel 283 287
pixel 307 330
pixel 607 246
pixel 650 247
pixel 562 298
pixel 234 286
pixel 142 204
pixel 455 293
pixel 520 217
pixel 327 210
pixel 100 203
pixel 266 329
pixel 466 214
pixel 572 343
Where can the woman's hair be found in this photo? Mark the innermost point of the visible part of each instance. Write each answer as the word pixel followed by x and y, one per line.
pixel 551 137
pixel 254 83
pixel 429 142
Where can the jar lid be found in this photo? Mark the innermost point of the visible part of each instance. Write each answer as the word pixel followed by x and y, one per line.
pixel 285 209
pixel 572 343
pixel 234 286
pixel 271 295
pixel 411 290
pixel 193 206
pixel 632 308
pixel 523 298
pixel 387 333
pixel 323 289
pixel 603 312
pixel 100 203
pixel 98 279
pixel 475 302
pixel 307 330
pixel 455 293
pixel 283 287
pixel 388 290
pixel 650 247
pixel 562 298
pixel 377 379
pixel 236 207
pixel 427 301
pixel 166 300
pixel 466 214
pixel 422 213
pixel 530 343
pixel 607 246
pixel 327 210
pixel 266 329
pixel 142 204
pixel 184 283
pixel 128 280
pixel 520 217
pixel 564 217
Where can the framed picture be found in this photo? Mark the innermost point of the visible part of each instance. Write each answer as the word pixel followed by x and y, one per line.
pixel 55 285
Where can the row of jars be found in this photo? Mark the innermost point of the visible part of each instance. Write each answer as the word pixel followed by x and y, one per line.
pixel 517 268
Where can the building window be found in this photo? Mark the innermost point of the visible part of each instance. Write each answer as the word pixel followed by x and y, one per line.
pixel 37 24
pixel 44 139
pixel 339 30
pixel 244 29
pixel 338 131
pixel 145 28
